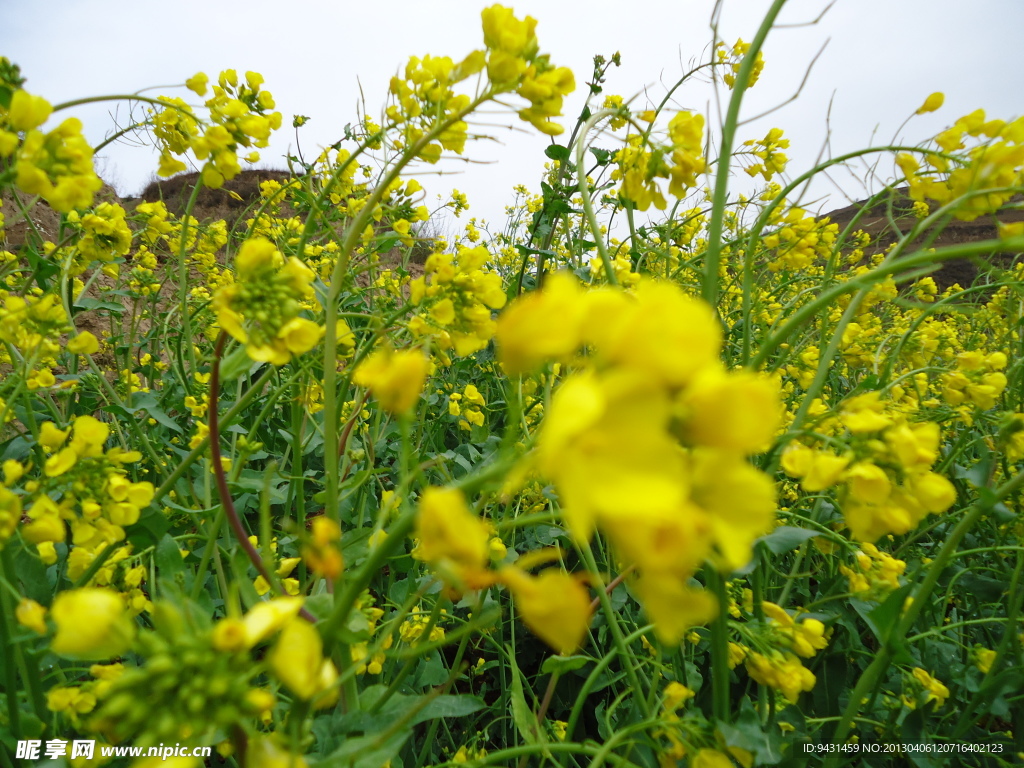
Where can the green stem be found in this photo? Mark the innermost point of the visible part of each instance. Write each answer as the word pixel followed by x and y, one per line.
pixel 719 649
pixel 211 544
pixel 183 276
pixel 1009 632
pixel 11 686
pixel 612 617
pixel 713 256
pixel 588 205
pixel 27 662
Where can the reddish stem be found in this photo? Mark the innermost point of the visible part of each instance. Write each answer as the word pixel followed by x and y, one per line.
pixel 222 482
pixel 612 585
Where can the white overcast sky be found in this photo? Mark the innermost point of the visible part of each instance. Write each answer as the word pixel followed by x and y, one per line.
pixel 883 58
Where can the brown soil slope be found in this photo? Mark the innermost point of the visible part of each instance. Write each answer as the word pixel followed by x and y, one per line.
pixel 238 197
pixel 890 220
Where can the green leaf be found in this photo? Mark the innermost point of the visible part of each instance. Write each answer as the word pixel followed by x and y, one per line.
pixel 881 619
pixel 168 558
pixel 236 364
pixel 746 733
pixel 31 572
pixel 449 706
pixel 319 605
pixel 84 302
pixel 252 481
pixel 371 751
pixel 979 473
pixel 983 588
pixel 557 152
pixel 148 530
pixel 521 713
pixel 562 664
pixel 147 401
pixel 240 565
pixel 432 671
pixel 786 538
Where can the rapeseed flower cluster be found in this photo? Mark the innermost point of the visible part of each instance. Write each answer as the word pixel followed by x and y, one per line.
pixel 982 175
pixel 105 236
pixel 887 482
pixel 643 161
pixel 647 439
pixel 32 324
pixel 766 150
pixel 468 407
pixel 732 59
pixel 200 676
pixel 458 295
pixel 514 62
pixel 876 573
pixel 395 378
pixel 978 379
pixel 261 309
pixel 56 165
pixel 83 486
pixel 800 240
pixel 921 688
pixel 240 114
pixel 458 546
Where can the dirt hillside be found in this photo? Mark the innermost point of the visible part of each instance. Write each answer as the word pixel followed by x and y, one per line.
pixel 888 221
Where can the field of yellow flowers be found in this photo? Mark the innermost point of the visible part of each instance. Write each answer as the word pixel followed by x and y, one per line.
pixel 662 474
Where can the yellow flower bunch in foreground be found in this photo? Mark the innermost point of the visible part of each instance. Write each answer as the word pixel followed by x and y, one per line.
pixel 647 439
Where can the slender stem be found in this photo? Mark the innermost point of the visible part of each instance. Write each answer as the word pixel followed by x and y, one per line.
pixel 120 97
pixel 228 505
pixel 612 618
pixel 28 663
pixel 211 544
pixel 719 649
pixel 11 686
pixel 713 256
pixel 966 720
pixel 588 205
pixel 183 275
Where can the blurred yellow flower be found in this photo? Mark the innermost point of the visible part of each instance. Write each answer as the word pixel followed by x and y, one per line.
pixel 396 379
pixel 92 624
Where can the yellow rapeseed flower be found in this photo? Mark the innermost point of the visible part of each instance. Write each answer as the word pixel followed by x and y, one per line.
pixel 92 624
pixel 31 614
pixel 554 605
pixel 396 379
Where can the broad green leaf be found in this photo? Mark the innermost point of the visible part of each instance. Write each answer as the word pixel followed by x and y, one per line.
pixel 563 664
pixel 557 152
pixel 522 715
pixel 169 561
pixel 786 538
pixel 147 401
